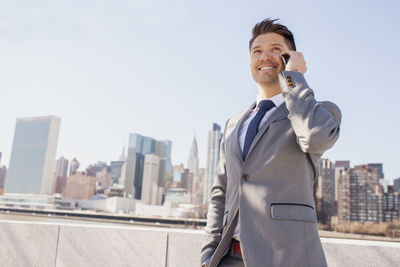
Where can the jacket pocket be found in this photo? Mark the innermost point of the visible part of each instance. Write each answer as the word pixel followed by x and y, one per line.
pixel 293 211
pixel 225 219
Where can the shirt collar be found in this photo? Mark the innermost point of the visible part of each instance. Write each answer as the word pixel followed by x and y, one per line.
pixel 276 99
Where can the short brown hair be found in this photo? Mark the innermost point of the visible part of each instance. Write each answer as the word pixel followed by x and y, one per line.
pixel 269 25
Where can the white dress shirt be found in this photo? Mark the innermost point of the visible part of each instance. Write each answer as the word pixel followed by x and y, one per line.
pixel 278 100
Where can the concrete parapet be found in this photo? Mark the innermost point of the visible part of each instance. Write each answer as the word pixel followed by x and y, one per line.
pixel 64 245
pixel 351 253
pixel 28 244
pixel 184 249
pixel 89 246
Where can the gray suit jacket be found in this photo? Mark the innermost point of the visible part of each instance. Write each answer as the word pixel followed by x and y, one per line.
pixel 271 192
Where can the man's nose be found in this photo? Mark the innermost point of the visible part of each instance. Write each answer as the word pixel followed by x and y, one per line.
pixel 266 55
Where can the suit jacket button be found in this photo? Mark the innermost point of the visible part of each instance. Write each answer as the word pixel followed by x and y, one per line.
pixel 245 177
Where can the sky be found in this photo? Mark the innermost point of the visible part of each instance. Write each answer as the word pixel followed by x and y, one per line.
pixel 169 69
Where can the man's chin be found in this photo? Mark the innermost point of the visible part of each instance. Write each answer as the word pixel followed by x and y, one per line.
pixel 268 81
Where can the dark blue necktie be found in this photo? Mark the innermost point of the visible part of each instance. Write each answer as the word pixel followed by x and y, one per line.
pixel 263 107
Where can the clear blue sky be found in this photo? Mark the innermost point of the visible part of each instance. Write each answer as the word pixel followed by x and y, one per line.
pixel 169 69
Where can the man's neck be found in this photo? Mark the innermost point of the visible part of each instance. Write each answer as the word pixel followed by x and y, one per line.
pixel 268 91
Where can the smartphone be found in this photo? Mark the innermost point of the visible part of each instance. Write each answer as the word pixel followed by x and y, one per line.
pixel 285 59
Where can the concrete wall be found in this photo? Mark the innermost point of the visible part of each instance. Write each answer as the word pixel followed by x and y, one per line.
pixel 49 244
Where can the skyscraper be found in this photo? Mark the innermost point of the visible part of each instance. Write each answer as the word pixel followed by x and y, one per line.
pixel 73 166
pixel 150 188
pixel 379 168
pixel 340 166
pixel 138 147
pixel 61 175
pixel 122 157
pixel 360 195
pixel 198 187
pixel 121 180
pixel 193 160
pixel 177 176
pixel 187 180
pixel 325 196
pixel 343 163
pixel 396 184
pixel 163 150
pixel 33 155
pixel 391 204
pixel 116 167
pixel 214 140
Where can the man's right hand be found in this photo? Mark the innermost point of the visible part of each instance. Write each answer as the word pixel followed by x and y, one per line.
pixel 296 62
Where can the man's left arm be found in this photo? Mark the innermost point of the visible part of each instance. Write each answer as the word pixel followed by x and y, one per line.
pixel 316 124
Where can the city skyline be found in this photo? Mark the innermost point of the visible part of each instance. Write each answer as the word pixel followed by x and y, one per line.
pixel 342 193
pixel 170 70
pixel 193 147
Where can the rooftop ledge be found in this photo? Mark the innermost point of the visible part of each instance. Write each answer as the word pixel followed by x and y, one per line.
pixel 64 244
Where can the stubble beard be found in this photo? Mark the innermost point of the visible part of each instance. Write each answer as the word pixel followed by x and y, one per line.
pixel 270 82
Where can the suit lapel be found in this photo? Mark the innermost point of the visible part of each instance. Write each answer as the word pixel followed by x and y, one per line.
pixel 280 113
pixel 237 131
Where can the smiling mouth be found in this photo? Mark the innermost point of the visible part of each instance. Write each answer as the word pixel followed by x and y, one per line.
pixel 267 68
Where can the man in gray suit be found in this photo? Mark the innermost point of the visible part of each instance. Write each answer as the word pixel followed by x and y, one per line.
pixel 261 209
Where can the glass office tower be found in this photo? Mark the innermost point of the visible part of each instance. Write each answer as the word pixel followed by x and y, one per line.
pixel 33 155
pixel 138 147
pixel 214 141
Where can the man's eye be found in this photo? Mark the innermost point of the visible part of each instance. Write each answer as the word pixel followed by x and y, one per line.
pixel 256 51
pixel 276 49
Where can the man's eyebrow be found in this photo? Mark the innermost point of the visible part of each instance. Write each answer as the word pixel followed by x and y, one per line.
pixel 258 46
pixel 273 44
